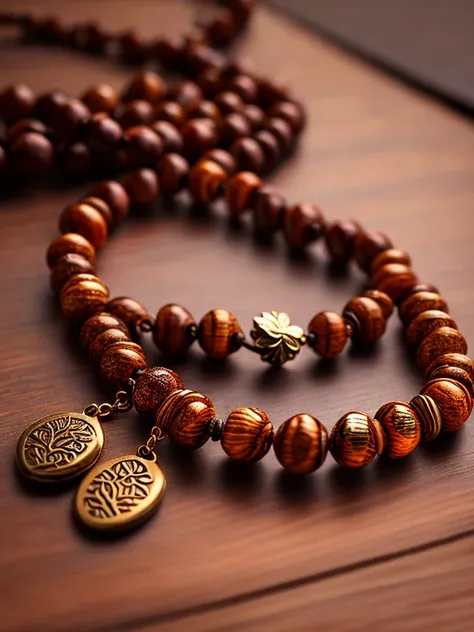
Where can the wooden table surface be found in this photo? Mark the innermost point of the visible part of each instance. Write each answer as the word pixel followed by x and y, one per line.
pixel 249 548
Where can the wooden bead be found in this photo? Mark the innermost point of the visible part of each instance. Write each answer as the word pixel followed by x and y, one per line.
pixel 245 86
pixel 172 329
pixel 381 439
pixel 248 154
pixel 428 415
pixel 303 224
pixel 75 158
pixel 367 246
pixel 16 102
pixel 352 442
pixel 31 153
pixel 420 302
pixel 68 266
pixel 184 416
pixel 392 255
pixel 86 221
pixel 247 434
pixel 206 109
pixel 170 135
pixel 142 186
pixel 293 113
pixel 152 387
pixel 96 325
pixel 329 334
pixel 105 340
pixel 70 243
pixel 301 444
pixel 186 93
pixel 173 171
pixel 121 361
pixel 70 117
pixel 23 126
pixel 222 30
pixel 437 343
pixel 426 322
pixel 452 373
pixel 206 181
pixel 222 158
pixel 199 135
pixel 268 211
pixel 101 206
pixel 282 132
pixel 241 191
pixel 452 360
pixel 47 104
pixel 131 312
pixel 171 112
pixel 419 287
pixel 452 399
pixel 218 333
pixel 366 318
pixel 232 127
pixel 137 112
pixel 146 85
pixel 382 299
pixel 254 115
pixel 143 146
pixel 401 426
pixel 229 102
pixel 340 240
pixel 394 279
pixel 100 98
pixel 270 148
pixel 83 296
pixel 115 195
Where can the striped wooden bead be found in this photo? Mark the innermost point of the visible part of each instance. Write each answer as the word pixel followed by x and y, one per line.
pixel 184 416
pixel 329 334
pixel 105 340
pixel 401 426
pixel 83 296
pixel 173 329
pixel 428 415
pixel 420 302
pixel 206 179
pixel 439 342
pixel 394 279
pixel 384 300
pixel 353 440
pixel 426 322
pixel 454 366
pixel 392 255
pixel 218 333
pixel 301 444
pixel 366 319
pixel 96 325
pixel 247 434
pixel 452 399
pixel 121 361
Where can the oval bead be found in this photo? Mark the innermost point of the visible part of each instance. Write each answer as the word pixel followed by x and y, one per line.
pixel 352 442
pixel 401 426
pixel 247 434
pixel 120 361
pixel 172 330
pixel 392 255
pixel 366 319
pixel 394 279
pixel 301 444
pixel 439 342
pixel 84 220
pixel 185 417
pixel 97 324
pixel 83 296
pixel 152 387
pixel 68 266
pixel 105 340
pixel 421 302
pixel 130 311
pixel 218 333
pixel 452 360
pixel 426 322
pixel 428 415
pixel 330 333
pixel 453 401
pixel 70 243
pixel 384 300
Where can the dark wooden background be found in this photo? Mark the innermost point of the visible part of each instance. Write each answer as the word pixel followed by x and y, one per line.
pixel 233 548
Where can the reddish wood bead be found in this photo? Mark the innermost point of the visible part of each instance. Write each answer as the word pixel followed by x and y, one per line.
pixel 247 434
pixel 104 341
pixel 282 132
pixel 86 221
pixel 293 113
pixel 70 118
pixel 401 426
pixel 16 102
pixel 426 322
pixel 70 243
pixel 143 146
pixel 245 86
pixel 100 98
pixel 222 158
pixel 268 211
pixel 132 48
pixel 303 224
pixel 115 195
pixel 394 279
pixel 173 171
pixel 102 134
pixel 241 191
pixel 83 296
pixel 451 360
pixel 101 206
pixel 340 240
pixel 170 135
pixel 206 181
pixel 199 135
pixel 31 153
pixel 147 86
pixel 23 126
pixel 171 112
pixel 121 361
pixel 382 299
pixel 254 115
pixel 366 318
pixel 186 93
pixel 270 148
pixel 329 334
pixel 172 329
pixel 152 387
pixel 218 333
pixel 229 102
pixel 222 30
pixel 68 266
pixel 96 325
pixel 437 343
pixel 232 127
pixel 301 444
pixel 353 441
pixel 248 155
pixel 184 416
pixel 392 255
pixel 453 400
pixel 367 246
pixel 421 302
pixel 142 186
pixel 206 109
pixel 137 112
pixel 46 105
pixel 428 415
pixel 75 158
pixel 131 312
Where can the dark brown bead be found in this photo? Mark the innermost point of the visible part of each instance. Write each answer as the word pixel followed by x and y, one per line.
pixel 218 333
pixel 132 48
pixel 453 373
pixel 96 325
pixel 392 255
pixel 143 145
pixel 229 102
pixel 47 105
pixel 452 399
pixel 353 441
pixel 137 112
pixel 382 299
pixel 232 127
pixel 301 444
pixel 329 334
pixel 367 246
pixel 70 243
pixel 68 266
pixel 173 171
pixel 121 361
pixel 186 93
pixel 451 360
pixel 247 434
pixel 31 153
pixel 440 341
pixel 199 135
pixel 222 158
pixel 268 210
pixel 420 302
pixel 147 86
pixel 131 312
pixel 254 115
pixel 222 30
pixel 69 120
pixel 241 191
pixel 101 98
pixel 23 126
pixel 248 155
pixel 394 279
pixel 142 186
pixel 86 221
pixel 245 86
pixel 16 102
pixel 102 133
pixel 401 426
pixel 210 81
pixel 366 318
pixel 206 109
pixel 170 135
pixel 152 387
pixel 171 330
pixel 101 206
pixel 269 93
pixel 104 340
pixel 116 197
pixel 426 322
pixel 171 112
pixel 340 240
pixel 282 132
pixel 206 180
pixel 75 158
pixel 292 113
pixel 270 147
pixel 419 287
pixel 83 296
pixel 184 416
pixel 303 224
pixel 428 415
pixel 167 52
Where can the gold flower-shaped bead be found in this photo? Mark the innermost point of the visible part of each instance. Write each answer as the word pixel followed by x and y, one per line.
pixel 276 339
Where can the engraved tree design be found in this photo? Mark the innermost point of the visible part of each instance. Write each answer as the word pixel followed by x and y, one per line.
pixel 57 442
pixel 118 489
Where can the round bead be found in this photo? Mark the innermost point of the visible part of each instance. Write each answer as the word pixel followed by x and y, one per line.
pixel 22 127
pixel 206 109
pixel 152 387
pixel 437 343
pixel 75 158
pixel 170 135
pixel 47 105
pixel 16 102
pixel 245 86
pixel 83 296
pixel 270 147
pixel 394 279
pixel 269 207
pixel 143 146
pixel 401 426
pixel 221 31
pixel 105 340
pixel 222 158
pixel 428 415
pixel 116 197
pixel 31 153
pixel 142 186
pixel 84 220
pixel 100 98
pixel 70 117
pixel 229 102
pixel 329 334
pixel 452 399
pixel 254 115
pixel 382 299
pixel 366 319
pixel 68 266
pixel 101 206
pixel 121 361
pixel 353 440
pixel 426 322
pixel 301 444
pixel 102 134
pixel 248 155
pixel 218 333
pixel 173 172
pixel 146 85
pixel 184 416
pixel 303 224
pixel 340 240
pixel 232 127
pixel 247 434
pixel 420 302
pixel 96 325
pixel 171 112
pixel 241 191
pixel 171 330
pixel 205 181
pixel 186 93
pixel 292 113
pixel 444 365
pixel 392 255
pixel 70 243
pixel 199 135
pixel 367 246
pixel 282 132
pixel 136 112
pixel 131 312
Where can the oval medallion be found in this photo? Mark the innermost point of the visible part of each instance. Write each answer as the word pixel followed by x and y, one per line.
pixel 59 447
pixel 120 493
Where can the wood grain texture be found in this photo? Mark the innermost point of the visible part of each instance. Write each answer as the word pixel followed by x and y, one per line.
pixel 373 151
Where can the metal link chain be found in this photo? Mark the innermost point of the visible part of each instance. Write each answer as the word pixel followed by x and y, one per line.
pixel 122 403
pixel 146 450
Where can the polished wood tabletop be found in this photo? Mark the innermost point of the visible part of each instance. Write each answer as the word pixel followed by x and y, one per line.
pixel 235 547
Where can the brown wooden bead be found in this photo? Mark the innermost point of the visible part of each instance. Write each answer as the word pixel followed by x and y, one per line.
pixel 282 132
pixel 455 360
pixel 366 319
pixel 121 361
pixel 453 400
pixel 245 86
pixel 97 324
pixel 232 127
pixel 170 135
pixel 254 115
pixel 401 426
pixel 241 191
pixel 222 30
pixel 171 112
pixel 184 416
pixel 152 387
pixel 293 113
pixel 394 279
pixel 329 334
pixel 199 135
pixel 247 434
pixel 301 444
pixel 381 439
pixel 382 299
pixel 105 340
pixel 83 296
pixel 100 98
pixel 218 333
pixel 22 127
pixel 270 147
pixel 146 85
pixel 132 49
pixel 70 117
pixel 352 442
pixel 206 180
pixel 222 158
pixel 143 146
pixel 47 104
pixel 229 102
pixel 340 240
pixel 70 243
pixel 116 197
pixel 206 109
pixel 142 186
pixel 186 93
pixel 16 102
pixel 137 112
pixel 248 154
pixel 86 221
pixel 31 153
pixel 420 302
pixel 367 246
pixel 419 287
pixel 392 255
pixel 426 322
pixel 268 211
pixel 303 224
pixel 453 373
pixel 437 343
pixel 428 415
pixel 130 311
pixel 171 330
pixel 66 267
pixel 101 206
pixel 75 158
pixel 173 171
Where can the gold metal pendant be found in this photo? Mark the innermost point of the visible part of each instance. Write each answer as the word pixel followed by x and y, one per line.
pixel 276 340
